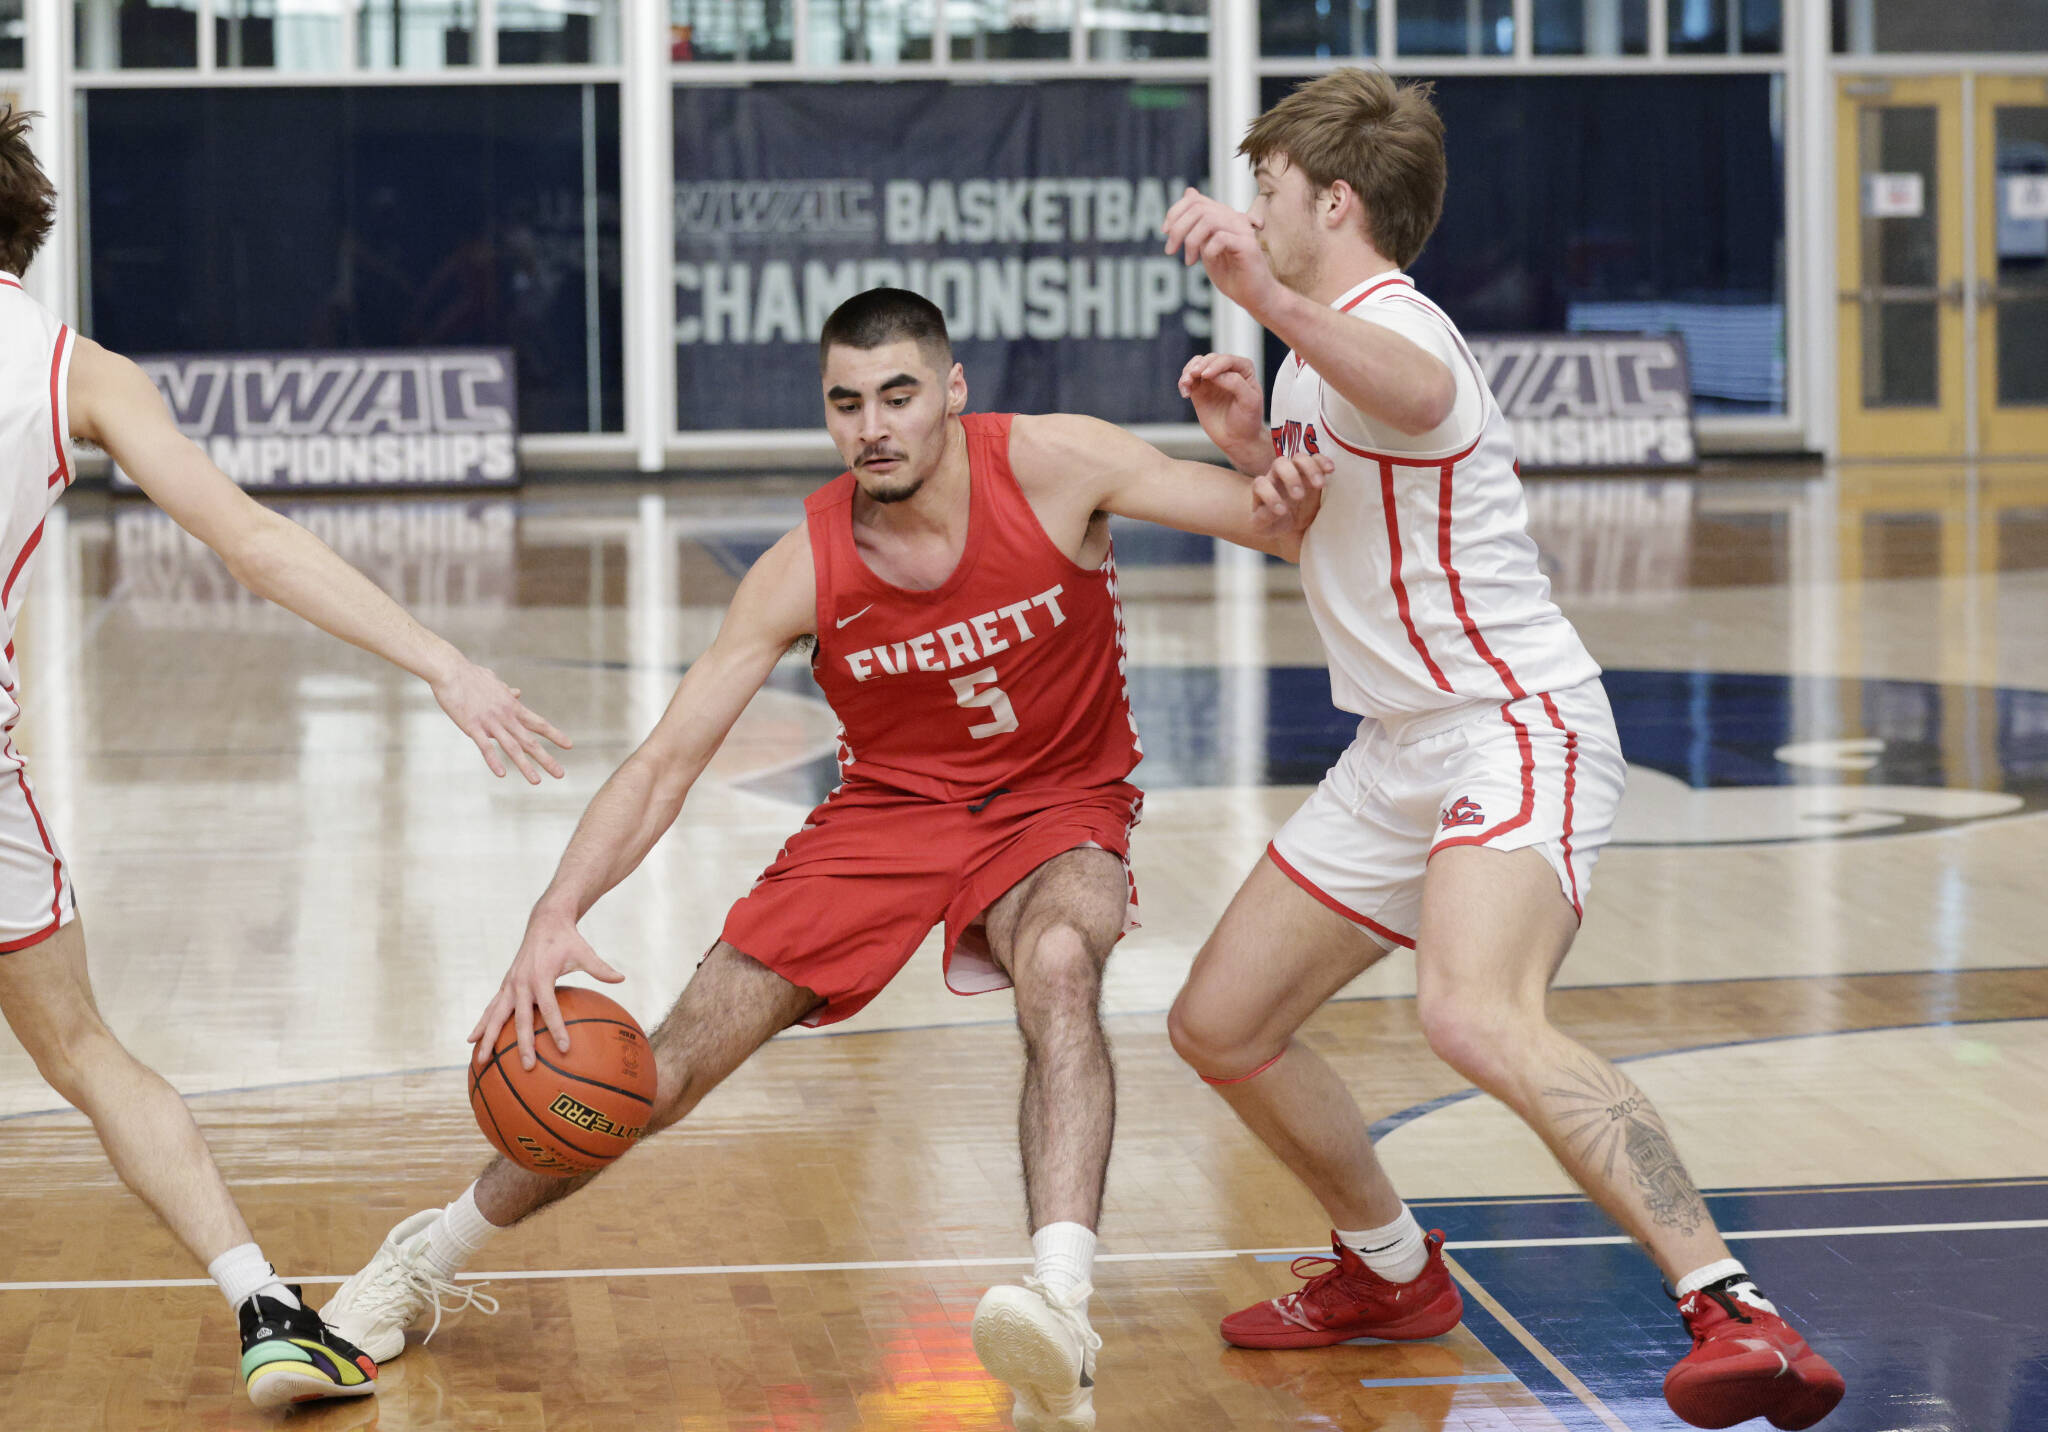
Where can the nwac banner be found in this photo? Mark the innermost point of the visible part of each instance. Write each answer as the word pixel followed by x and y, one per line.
pixel 1028 212
pixel 1580 401
pixel 414 417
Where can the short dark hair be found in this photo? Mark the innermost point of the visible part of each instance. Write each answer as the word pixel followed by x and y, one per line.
pixel 28 203
pixel 885 315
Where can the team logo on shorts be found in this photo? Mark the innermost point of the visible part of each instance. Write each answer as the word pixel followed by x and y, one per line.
pixel 1463 811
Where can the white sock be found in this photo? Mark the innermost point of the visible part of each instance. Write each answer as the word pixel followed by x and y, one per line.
pixel 1712 1273
pixel 454 1238
pixel 1396 1252
pixel 1065 1257
pixel 243 1272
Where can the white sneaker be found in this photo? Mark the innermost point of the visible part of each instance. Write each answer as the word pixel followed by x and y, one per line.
pixel 1042 1346
pixel 394 1290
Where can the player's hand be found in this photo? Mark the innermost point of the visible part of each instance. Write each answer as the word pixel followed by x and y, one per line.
pixel 1222 240
pixel 1228 404
pixel 1286 499
pixel 490 714
pixel 552 948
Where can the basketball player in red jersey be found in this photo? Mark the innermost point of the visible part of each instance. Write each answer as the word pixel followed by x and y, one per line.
pixel 56 386
pixel 1464 821
pixel 959 584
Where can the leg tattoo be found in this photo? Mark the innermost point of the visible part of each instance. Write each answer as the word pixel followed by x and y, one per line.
pixel 1603 1116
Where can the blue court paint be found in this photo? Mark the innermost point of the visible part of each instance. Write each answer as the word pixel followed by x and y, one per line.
pixel 1714 731
pixel 1474 1377
pixel 1935 1332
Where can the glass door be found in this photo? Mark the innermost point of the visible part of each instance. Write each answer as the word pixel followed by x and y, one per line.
pixel 1900 257
pixel 2012 264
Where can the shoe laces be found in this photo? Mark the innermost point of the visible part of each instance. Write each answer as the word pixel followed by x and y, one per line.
pixel 409 1281
pixel 1318 1270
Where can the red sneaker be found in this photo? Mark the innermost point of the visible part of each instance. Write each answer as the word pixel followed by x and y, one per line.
pixel 1348 1300
pixel 1747 1363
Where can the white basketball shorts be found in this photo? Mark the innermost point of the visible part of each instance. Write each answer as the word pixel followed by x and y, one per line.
pixel 36 899
pixel 1543 770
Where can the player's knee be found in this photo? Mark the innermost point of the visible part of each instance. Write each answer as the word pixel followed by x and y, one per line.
pixel 68 1056
pixel 1212 1041
pixel 1476 1036
pixel 1062 972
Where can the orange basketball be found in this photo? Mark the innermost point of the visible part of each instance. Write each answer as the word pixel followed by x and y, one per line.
pixel 573 1112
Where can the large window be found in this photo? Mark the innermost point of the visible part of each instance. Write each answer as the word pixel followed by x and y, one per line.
pixel 1891 27
pixel 1538 236
pixel 286 219
pixel 13 34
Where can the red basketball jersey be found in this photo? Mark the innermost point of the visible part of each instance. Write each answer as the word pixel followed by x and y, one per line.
pixel 1008 676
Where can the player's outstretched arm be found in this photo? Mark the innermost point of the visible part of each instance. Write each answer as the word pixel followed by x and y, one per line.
pixel 1128 476
pixel 775 605
pixel 1373 368
pixel 115 406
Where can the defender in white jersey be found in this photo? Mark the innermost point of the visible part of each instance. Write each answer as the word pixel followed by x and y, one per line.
pixel 56 386
pixel 1465 819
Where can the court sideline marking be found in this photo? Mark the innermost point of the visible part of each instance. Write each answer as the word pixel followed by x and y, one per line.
pixel 1195 1255
pixel 1536 1349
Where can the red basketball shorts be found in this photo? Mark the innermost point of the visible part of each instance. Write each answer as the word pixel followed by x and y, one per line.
pixel 855 891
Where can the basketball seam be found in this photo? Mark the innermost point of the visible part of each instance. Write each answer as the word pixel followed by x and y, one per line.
pixel 500 1053
pixel 521 1101
pixel 594 1083
pixel 513 1090
pixel 478 1099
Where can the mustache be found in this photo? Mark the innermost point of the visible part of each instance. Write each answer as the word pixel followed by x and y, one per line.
pixel 868 455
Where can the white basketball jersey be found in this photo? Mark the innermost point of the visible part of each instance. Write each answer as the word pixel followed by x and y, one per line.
pixel 35 455
pixel 1419 570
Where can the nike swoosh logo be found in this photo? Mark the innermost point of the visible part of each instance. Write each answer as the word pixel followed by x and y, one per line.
pixel 1382 1248
pixel 856 616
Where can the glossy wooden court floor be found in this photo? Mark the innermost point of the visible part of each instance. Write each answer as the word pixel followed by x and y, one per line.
pixel 1818 940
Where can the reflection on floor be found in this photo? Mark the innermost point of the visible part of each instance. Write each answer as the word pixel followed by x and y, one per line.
pixel 1815 939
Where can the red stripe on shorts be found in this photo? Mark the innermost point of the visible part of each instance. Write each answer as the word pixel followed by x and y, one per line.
pixel 1325 898
pixel 1571 762
pixel 1521 817
pixel 56 861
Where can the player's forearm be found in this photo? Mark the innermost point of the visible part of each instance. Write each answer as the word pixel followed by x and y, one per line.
pixel 1216 503
pixel 631 812
pixel 281 561
pixel 1373 368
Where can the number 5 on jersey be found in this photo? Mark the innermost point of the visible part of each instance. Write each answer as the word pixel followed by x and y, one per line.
pixel 967 689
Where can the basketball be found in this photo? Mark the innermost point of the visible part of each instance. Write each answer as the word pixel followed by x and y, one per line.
pixel 571 1113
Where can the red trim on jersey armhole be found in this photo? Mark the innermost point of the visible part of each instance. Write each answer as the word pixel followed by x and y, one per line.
pixel 1324 898
pixel 1571 763
pixel 26 548
pixel 63 472
pixel 1394 576
pixel 1399 459
pixel 1521 817
pixel 7 282
pixel 1383 283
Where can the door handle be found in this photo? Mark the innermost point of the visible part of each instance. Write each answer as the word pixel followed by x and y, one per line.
pixel 1991 292
pixel 1951 294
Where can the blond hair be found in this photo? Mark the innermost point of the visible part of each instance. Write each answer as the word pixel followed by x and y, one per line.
pixel 1385 140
